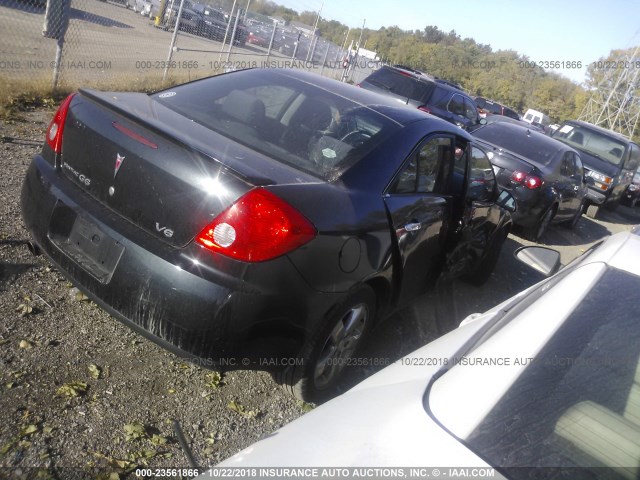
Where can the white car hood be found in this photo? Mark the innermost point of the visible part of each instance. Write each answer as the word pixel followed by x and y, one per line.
pixel 381 422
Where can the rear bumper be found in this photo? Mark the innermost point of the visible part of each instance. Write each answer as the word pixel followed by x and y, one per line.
pixel 596 196
pixel 529 205
pixel 202 306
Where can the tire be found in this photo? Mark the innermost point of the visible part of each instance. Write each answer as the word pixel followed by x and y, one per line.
pixel 592 210
pixel 536 232
pixel 328 351
pixel 571 224
pixel 484 269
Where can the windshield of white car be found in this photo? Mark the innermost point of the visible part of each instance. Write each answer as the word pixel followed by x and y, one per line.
pixel 577 402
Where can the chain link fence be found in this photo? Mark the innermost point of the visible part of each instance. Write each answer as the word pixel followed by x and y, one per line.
pixel 133 45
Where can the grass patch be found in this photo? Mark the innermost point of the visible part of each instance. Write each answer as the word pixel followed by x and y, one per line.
pixel 24 96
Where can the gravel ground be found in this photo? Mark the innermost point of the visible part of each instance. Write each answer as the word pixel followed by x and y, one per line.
pixel 80 394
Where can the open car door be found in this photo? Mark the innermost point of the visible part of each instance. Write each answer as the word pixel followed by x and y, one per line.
pixel 483 218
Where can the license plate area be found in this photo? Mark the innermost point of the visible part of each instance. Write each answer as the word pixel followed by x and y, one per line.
pixel 84 242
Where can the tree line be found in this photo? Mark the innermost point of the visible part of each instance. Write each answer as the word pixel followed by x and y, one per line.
pixel 505 76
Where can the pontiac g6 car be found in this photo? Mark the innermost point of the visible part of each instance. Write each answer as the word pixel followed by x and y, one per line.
pixel 259 215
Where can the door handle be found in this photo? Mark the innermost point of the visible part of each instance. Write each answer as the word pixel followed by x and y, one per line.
pixel 412 227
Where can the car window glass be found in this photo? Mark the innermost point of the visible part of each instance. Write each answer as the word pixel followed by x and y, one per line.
pixel 579 169
pixel 440 98
pixel 456 105
pixel 274 98
pixel 634 158
pixel 481 180
pixel 594 142
pixel 428 169
pixel 568 165
pixel 292 122
pixel 470 110
pixel 400 84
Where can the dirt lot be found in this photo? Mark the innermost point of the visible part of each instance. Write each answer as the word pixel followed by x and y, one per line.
pixel 82 395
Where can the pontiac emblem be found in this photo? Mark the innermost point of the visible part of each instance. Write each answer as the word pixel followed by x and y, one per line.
pixel 119 160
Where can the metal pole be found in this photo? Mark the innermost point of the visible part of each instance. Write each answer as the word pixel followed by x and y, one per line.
pixel 56 65
pixel 315 27
pixel 173 41
pixel 245 11
pixel 324 60
pixel 273 35
pixel 233 35
pixel 226 32
pixel 353 65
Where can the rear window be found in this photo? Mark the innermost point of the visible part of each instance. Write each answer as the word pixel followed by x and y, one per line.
pixel 494 108
pixel 535 147
pixel 291 121
pixel 400 84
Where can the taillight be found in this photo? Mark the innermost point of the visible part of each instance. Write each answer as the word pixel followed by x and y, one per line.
pixel 258 227
pixel 424 108
pixel 56 127
pixel 530 181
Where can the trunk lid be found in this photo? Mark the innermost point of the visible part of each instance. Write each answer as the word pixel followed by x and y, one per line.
pixel 156 168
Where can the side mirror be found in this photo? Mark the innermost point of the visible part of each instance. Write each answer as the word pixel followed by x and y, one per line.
pixel 506 201
pixel 541 259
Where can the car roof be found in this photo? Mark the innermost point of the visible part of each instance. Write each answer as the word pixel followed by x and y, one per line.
pixel 534 136
pixel 598 129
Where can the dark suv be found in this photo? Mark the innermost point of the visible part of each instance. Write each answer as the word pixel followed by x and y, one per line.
pixel 489 107
pixel 610 160
pixel 427 93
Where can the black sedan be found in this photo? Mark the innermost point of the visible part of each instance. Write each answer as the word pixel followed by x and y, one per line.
pixel 260 219
pixel 545 176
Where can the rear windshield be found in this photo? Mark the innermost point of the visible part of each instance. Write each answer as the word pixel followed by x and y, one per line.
pixel 493 108
pixel 401 84
pixel 289 120
pixel 533 146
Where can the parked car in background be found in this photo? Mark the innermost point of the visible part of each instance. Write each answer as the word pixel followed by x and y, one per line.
pixel 501 118
pixel 534 116
pixel 610 161
pixel 259 36
pixel 544 385
pixel 258 216
pixel 205 21
pixel 489 107
pixel 424 92
pixel 144 7
pixel 546 177
pixel 631 195
pixel 213 23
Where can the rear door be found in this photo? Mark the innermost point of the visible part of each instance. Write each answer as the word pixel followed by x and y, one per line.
pixel 419 212
pixel 569 184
